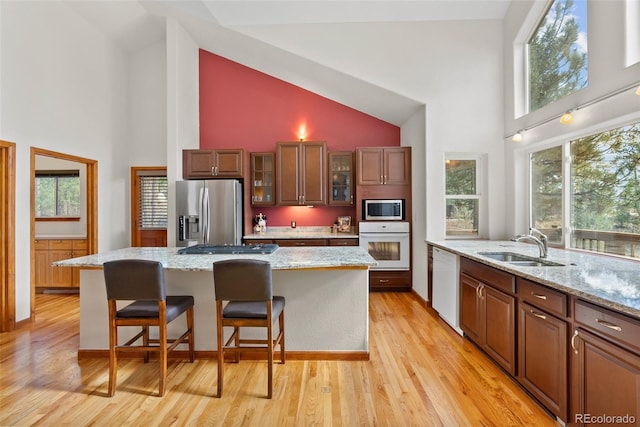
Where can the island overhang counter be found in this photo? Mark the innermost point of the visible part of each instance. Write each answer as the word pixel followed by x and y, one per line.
pixel 326 291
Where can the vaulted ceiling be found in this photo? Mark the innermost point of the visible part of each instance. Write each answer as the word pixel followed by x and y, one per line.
pixel 225 28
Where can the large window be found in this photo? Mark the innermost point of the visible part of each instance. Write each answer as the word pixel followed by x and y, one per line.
pixel 462 196
pixel 602 192
pixel 57 194
pixel 557 53
pixel 546 193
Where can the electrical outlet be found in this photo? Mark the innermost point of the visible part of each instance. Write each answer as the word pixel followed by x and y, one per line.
pixel 293 224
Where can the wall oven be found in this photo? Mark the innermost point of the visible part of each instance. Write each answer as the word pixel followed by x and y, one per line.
pixel 387 242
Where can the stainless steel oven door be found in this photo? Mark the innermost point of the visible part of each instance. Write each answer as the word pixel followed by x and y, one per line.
pixel 391 250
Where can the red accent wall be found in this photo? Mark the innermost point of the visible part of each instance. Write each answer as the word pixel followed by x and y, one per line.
pixel 243 107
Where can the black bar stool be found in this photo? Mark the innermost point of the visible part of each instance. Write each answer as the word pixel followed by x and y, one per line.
pixel 245 285
pixel 142 281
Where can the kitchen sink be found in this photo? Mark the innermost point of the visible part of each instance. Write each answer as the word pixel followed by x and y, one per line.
pixel 520 260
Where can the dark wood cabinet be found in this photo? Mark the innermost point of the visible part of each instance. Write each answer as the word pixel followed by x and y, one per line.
pixel 263 179
pixel 343 242
pixel 542 367
pixel 301 171
pixel 488 315
pixel 470 308
pixel 384 165
pixel 606 381
pixel 605 374
pixel 220 163
pixel 380 280
pixel 341 178
pixel 301 242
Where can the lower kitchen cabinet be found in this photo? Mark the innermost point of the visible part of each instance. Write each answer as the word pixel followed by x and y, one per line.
pixel 590 377
pixel 542 351
pixel 488 319
pixel 343 242
pixel 301 242
pixel 542 345
pixel 390 280
pixel 48 251
pixel 605 367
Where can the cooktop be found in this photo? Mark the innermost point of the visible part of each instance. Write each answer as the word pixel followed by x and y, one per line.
pixel 261 248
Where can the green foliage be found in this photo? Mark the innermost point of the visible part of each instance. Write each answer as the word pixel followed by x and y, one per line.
pixel 546 192
pixel 57 196
pixel 556 67
pixel 461 177
pixel 605 181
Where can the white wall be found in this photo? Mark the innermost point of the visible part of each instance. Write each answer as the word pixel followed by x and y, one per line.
pixel 63 89
pixel 183 108
pixel 413 135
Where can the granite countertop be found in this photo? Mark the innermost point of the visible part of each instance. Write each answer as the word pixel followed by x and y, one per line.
pixel 302 233
pixel 605 280
pixel 284 258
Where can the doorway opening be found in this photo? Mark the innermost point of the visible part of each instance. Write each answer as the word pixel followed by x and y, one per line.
pixel 90 195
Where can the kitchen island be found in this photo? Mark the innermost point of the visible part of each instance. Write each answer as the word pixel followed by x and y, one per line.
pixel 326 291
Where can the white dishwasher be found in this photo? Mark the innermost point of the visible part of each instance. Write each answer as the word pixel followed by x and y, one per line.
pixel 445 287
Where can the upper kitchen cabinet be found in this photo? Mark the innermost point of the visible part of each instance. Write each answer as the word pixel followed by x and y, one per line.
pixel 301 171
pixel 341 178
pixel 263 179
pixel 384 165
pixel 224 163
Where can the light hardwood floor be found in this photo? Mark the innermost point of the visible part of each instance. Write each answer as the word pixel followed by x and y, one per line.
pixel 420 373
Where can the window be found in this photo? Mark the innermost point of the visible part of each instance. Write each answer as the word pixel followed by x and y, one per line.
pixel 602 192
pixel 153 211
pixel 57 194
pixel 557 53
pixel 546 193
pixel 462 196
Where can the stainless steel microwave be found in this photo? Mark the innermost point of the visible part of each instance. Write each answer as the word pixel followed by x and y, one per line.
pixel 392 210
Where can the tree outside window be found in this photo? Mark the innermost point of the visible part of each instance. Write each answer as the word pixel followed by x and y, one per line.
pixel 546 193
pixel 603 193
pixel 557 53
pixel 57 194
pixel 462 197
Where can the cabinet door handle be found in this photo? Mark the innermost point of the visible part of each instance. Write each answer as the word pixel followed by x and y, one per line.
pixel 300 244
pixel 542 297
pixel 213 170
pixel 384 280
pixel 538 315
pixel 609 325
pixel 573 342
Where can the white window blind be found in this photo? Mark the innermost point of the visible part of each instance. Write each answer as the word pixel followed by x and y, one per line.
pixel 153 211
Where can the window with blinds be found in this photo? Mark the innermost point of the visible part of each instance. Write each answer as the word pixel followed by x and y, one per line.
pixel 153 200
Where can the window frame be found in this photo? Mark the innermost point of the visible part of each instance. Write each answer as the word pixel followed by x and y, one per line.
pixel 56 174
pixel 565 143
pixel 480 159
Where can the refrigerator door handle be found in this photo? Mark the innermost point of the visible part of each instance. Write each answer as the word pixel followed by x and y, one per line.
pixel 204 215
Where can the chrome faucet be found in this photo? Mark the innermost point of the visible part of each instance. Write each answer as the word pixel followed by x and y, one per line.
pixel 541 240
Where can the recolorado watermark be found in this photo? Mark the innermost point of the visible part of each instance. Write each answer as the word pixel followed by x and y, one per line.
pixel 605 419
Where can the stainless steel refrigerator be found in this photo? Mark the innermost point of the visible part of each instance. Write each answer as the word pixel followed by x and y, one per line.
pixel 209 212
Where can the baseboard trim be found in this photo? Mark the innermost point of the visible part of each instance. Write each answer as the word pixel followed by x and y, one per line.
pixel 248 355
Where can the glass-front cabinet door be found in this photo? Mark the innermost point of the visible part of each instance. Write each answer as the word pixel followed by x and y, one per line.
pixel 262 179
pixel 341 178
